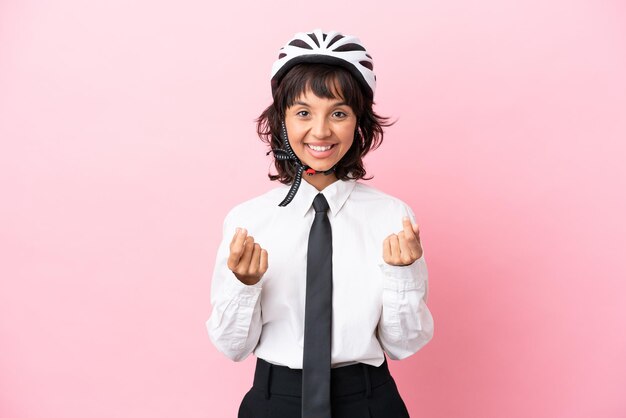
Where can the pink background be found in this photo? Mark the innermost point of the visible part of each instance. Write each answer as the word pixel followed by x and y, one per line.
pixel 127 134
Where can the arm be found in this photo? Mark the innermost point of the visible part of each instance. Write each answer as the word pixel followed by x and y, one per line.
pixel 235 322
pixel 406 324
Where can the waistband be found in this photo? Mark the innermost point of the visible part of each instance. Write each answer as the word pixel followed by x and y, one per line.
pixel 346 380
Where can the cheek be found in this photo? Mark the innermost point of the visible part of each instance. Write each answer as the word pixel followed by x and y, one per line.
pixel 347 137
pixel 294 132
pixel 295 140
pixel 346 145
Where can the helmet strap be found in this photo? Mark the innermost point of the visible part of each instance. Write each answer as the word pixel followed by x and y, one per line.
pixel 286 153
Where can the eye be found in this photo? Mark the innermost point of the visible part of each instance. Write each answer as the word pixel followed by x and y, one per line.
pixel 339 114
pixel 303 113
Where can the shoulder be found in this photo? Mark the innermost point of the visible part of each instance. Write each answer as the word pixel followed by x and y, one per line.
pixel 371 198
pixel 257 207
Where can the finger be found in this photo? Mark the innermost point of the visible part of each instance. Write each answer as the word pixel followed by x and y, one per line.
pixel 239 238
pixel 416 230
pixel 235 235
pixel 253 269
pixel 244 262
pixel 237 247
pixel 407 227
pixel 406 253
pixel 415 246
pixel 387 250
pixel 411 240
pixel 263 263
pixel 395 248
pixel 411 232
pixel 415 243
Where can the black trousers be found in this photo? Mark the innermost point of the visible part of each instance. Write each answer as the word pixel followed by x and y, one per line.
pixel 358 391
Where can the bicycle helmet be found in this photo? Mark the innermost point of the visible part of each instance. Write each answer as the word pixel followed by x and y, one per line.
pixel 327 48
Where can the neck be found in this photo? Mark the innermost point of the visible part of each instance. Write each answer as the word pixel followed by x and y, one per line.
pixel 319 180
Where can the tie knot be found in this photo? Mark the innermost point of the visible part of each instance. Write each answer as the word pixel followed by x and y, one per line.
pixel 320 204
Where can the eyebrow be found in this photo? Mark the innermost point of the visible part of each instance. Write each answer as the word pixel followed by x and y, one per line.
pixel 306 104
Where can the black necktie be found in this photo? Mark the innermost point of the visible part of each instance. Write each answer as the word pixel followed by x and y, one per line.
pixel 318 316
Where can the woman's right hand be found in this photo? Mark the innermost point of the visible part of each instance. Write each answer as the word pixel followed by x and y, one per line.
pixel 247 260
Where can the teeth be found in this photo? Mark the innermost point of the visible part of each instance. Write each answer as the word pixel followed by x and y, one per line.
pixel 316 148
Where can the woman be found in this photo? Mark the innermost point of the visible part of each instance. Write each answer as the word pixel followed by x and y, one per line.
pixel 320 278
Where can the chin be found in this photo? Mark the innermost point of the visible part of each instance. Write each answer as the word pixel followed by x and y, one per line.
pixel 321 167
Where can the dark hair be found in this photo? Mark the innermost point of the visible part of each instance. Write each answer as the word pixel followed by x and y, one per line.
pixel 326 81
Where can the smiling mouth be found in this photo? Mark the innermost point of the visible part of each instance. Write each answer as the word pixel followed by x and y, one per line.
pixel 320 148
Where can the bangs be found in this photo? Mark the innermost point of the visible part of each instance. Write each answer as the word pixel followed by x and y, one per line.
pixel 325 81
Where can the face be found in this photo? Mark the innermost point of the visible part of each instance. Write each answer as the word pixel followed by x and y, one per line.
pixel 320 132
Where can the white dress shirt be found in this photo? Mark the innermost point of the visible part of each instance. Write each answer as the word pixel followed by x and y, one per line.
pixel 376 306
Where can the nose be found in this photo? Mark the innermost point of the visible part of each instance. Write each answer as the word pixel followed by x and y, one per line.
pixel 321 128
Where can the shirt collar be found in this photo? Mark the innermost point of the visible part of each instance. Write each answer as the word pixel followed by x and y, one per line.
pixel 336 195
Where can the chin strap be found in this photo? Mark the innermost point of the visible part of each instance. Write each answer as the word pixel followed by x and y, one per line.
pixel 286 153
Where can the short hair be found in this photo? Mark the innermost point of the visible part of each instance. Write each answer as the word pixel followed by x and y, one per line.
pixel 325 81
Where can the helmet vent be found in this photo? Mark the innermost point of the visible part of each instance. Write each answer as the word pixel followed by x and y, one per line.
pixel 367 64
pixel 350 47
pixel 300 43
pixel 314 38
pixel 335 39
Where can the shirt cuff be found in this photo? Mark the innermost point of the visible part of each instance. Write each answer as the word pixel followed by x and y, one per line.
pixel 244 294
pixel 403 278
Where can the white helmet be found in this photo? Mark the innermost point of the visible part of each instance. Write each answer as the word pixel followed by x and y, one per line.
pixel 326 48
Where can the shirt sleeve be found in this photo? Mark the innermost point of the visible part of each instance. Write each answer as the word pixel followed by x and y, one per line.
pixel 406 324
pixel 235 322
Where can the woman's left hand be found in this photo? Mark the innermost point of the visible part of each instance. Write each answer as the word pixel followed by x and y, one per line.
pixel 403 248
